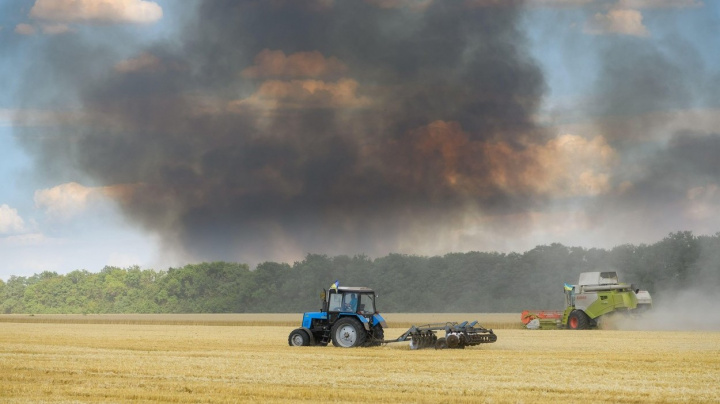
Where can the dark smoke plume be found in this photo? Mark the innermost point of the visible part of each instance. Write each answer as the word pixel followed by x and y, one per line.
pixel 645 96
pixel 274 128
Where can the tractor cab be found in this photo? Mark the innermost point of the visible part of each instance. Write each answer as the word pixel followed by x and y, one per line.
pixel 347 299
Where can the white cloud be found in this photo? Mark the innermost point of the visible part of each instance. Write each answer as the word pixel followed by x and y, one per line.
pixel 565 166
pixel 71 199
pixel 575 166
pixel 97 11
pixel 623 4
pixel 269 63
pixel 38 117
pixel 659 3
pixel 55 29
pixel 702 202
pixel 24 240
pixel 24 29
pixel 617 21
pixel 145 62
pixel 297 94
pixel 10 220
pixel 635 127
pixel 63 201
pixel 558 3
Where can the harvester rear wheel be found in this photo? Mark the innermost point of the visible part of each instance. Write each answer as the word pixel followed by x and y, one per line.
pixel 348 333
pixel 578 320
pixel 299 337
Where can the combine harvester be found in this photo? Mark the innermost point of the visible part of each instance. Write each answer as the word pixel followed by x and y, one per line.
pixel 348 319
pixel 596 295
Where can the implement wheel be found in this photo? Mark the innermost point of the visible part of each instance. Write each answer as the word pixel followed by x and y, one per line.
pixel 348 333
pixel 298 337
pixel 578 320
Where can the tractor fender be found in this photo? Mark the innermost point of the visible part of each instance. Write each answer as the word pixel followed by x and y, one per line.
pixel 362 320
pixel 378 319
pixel 365 322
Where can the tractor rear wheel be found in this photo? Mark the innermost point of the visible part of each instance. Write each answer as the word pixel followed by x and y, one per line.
pixel 299 337
pixel 377 336
pixel 578 320
pixel 348 333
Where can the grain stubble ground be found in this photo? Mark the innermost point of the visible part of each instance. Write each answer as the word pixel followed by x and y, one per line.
pixel 56 362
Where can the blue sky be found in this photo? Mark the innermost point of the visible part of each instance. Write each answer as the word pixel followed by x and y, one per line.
pixel 89 237
pixel 630 93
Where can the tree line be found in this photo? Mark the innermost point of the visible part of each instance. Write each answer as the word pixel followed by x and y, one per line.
pixel 456 282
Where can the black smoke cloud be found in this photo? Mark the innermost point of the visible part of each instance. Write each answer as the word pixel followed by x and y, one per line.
pixel 671 182
pixel 642 81
pixel 227 166
pixel 669 161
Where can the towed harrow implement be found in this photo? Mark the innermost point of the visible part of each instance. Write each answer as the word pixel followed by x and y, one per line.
pixel 348 318
pixel 457 335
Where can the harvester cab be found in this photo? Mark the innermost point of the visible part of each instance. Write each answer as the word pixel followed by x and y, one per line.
pixel 596 294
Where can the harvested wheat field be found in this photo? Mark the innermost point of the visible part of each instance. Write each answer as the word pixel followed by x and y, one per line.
pixel 179 363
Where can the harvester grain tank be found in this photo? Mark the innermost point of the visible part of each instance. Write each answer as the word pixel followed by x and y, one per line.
pixel 596 294
pixel 348 318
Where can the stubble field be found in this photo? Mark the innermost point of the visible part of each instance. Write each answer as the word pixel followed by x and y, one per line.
pixel 246 358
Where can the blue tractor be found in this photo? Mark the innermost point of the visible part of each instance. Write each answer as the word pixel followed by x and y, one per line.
pixel 348 318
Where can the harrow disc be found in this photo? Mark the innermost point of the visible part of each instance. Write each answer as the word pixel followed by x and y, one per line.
pixel 422 340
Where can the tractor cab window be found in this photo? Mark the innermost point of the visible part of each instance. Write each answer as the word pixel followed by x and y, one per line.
pixel 350 302
pixel 367 304
pixel 335 302
pixel 343 302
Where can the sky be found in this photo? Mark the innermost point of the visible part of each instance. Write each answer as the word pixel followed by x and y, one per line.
pixel 162 133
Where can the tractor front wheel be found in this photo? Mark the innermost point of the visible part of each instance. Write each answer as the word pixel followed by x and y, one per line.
pixel 299 337
pixel 578 320
pixel 348 333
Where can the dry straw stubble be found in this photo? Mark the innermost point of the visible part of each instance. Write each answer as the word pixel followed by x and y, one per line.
pixel 197 363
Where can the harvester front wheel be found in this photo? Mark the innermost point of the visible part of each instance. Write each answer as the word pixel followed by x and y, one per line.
pixel 348 333
pixel 578 320
pixel 299 337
